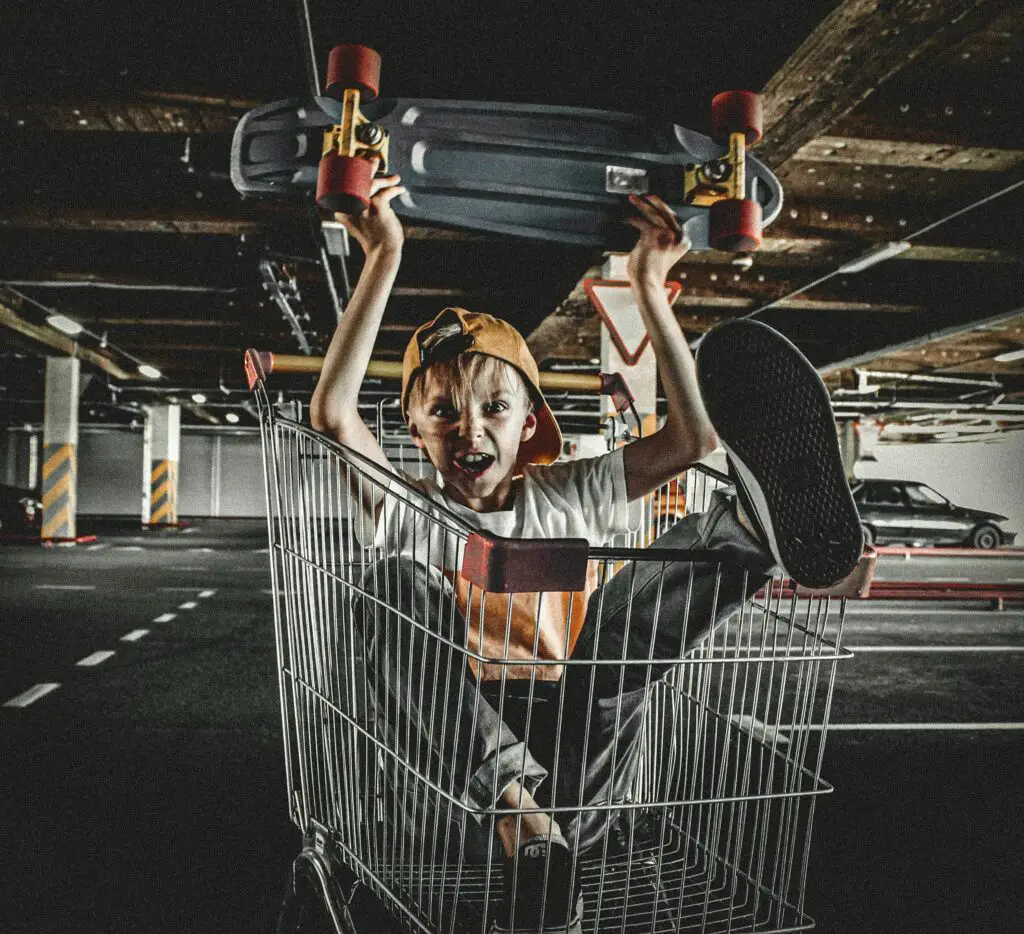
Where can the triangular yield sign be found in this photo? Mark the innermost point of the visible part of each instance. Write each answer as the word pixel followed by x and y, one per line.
pixel 614 301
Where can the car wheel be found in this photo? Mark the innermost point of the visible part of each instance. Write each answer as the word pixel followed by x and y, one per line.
pixel 986 536
pixel 869 535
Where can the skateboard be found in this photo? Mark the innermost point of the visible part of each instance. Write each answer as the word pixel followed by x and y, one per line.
pixel 558 174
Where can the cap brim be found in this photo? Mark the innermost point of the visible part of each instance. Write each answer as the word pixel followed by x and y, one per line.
pixel 545 447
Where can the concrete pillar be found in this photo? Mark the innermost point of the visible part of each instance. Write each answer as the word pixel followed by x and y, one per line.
pixel 165 421
pixel 60 447
pixel 147 464
pixel 625 346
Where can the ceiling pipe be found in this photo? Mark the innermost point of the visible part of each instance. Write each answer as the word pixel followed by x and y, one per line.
pixel 124 286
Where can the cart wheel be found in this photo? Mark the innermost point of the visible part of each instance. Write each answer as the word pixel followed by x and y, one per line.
pixel 735 225
pixel 353 66
pixel 343 184
pixel 304 907
pixel 736 112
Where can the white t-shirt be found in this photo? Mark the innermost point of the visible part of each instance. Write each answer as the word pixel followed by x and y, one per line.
pixel 572 499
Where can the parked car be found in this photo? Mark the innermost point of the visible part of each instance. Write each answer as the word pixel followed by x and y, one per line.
pixel 20 510
pixel 906 512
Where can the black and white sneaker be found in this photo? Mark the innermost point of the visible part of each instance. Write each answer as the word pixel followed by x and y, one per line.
pixel 772 414
pixel 543 863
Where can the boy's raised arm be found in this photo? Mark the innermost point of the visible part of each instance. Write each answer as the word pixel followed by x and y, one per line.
pixel 333 409
pixel 687 434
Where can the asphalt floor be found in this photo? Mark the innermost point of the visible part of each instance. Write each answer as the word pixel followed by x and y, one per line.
pixel 146 792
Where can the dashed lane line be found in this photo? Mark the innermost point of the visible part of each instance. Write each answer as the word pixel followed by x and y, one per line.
pixel 205 594
pixel 97 658
pixel 188 605
pixel 923 727
pixel 935 648
pixel 128 548
pixel 188 567
pixel 134 635
pixel 65 587
pixel 32 695
pixel 178 589
pixel 165 617
pixel 97 547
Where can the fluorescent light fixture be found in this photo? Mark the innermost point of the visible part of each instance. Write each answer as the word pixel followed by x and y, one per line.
pixel 198 398
pixel 1010 356
pixel 149 371
pixel 69 327
pixel 876 254
pixel 231 417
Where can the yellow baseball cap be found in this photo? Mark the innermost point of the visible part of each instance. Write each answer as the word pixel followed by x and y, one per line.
pixel 455 331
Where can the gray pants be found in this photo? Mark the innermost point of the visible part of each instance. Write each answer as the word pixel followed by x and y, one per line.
pixel 424 703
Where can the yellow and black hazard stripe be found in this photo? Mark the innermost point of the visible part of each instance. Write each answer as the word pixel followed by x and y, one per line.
pixel 59 469
pixel 163 493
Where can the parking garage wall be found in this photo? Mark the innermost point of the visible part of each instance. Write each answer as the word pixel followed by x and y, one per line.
pixel 219 474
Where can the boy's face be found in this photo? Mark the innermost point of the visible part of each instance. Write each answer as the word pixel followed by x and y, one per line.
pixel 472 432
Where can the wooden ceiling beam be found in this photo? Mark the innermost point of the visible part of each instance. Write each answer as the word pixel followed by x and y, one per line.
pixel 67 346
pixel 147 112
pixel 892 153
pixel 860 45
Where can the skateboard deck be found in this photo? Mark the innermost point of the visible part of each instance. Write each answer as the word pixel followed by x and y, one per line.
pixel 558 174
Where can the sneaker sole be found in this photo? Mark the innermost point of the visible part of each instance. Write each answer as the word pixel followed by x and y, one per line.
pixel 772 414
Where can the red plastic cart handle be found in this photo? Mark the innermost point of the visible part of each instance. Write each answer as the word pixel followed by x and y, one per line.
pixel 518 565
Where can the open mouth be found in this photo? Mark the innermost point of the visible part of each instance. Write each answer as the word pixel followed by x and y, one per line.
pixel 474 463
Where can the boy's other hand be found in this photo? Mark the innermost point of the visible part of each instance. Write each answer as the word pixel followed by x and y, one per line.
pixel 662 243
pixel 378 228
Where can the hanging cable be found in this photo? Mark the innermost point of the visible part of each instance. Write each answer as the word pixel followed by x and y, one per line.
pixel 877 253
pixel 309 48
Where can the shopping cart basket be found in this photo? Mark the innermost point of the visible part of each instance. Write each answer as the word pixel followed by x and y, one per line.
pixel 714 833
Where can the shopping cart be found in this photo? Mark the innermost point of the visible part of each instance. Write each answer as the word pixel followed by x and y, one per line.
pixel 715 832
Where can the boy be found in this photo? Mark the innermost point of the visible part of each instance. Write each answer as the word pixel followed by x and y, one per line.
pixel 470 395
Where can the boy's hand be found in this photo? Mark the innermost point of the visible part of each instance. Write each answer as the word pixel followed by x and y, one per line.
pixel 662 239
pixel 378 228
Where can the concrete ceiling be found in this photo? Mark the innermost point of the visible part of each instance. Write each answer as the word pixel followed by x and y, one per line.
pixel 883 121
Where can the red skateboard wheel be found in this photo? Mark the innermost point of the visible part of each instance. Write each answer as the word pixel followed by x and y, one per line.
pixel 353 66
pixel 343 184
pixel 736 112
pixel 735 225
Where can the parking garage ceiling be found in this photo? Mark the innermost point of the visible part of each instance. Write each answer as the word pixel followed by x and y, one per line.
pixel 886 120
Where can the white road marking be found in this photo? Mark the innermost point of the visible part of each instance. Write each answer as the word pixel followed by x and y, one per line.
pixel 203 594
pixel 97 547
pixel 188 605
pixel 129 548
pixel 935 648
pixel 65 586
pixel 187 531
pixel 893 727
pixel 31 695
pixel 134 635
pixel 165 617
pixel 861 609
pixel 189 567
pixel 97 658
pixel 205 551
pixel 261 551
pixel 949 580
pixel 177 589
pixel 1015 580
